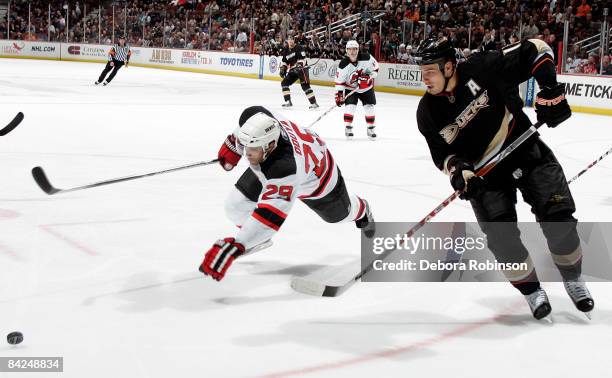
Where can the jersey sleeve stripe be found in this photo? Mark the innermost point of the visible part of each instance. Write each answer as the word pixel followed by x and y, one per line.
pixel 268 218
pixel 545 59
pixel 272 209
pixel 361 209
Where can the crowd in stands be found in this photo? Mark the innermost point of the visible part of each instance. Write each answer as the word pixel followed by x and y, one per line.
pixel 391 28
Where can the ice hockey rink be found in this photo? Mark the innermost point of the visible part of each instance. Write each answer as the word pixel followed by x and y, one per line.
pixel 108 277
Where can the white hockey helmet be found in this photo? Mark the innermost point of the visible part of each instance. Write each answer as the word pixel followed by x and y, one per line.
pixel 352 44
pixel 258 131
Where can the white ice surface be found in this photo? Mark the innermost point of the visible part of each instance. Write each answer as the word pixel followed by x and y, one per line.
pixel 107 277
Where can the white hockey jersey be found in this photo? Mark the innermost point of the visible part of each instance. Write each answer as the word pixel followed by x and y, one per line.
pixel 301 167
pixel 348 72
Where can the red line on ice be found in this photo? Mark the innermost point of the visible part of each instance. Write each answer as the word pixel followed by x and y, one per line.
pixel 459 331
pixel 66 239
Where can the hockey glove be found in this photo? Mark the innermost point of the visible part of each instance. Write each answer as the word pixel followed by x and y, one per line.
pixel 551 106
pixel 220 256
pixel 112 63
pixel 465 180
pixel 228 154
pixel 364 81
pixel 282 71
pixel 339 98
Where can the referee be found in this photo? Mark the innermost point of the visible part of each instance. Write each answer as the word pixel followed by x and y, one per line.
pixel 118 56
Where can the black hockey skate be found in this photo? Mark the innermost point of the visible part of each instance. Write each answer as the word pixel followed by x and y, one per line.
pixel 287 104
pixel 348 132
pixel 539 304
pixel 366 222
pixel 578 292
pixel 105 83
pixel 314 106
pixel 97 82
pixel 371 133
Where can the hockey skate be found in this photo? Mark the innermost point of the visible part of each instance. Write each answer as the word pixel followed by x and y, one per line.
pixel 105 83
pixel 539 304
pixel 287 104
pixel 313 106
pixel 97 82
pixel 371 132
pixel 578 292
pixel 348 132
pixel 366 222
pixel 261 246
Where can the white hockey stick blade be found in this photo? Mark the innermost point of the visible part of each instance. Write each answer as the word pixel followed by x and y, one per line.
pixel 327 282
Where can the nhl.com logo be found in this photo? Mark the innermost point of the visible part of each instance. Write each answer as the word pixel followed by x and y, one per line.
pixel 273 65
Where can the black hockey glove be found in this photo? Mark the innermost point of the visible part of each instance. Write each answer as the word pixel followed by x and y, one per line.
pixel 464 179
pixel 282 71
pixel 551 106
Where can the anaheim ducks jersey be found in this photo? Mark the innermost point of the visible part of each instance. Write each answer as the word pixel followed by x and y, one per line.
pixel 293 56
pixel 484 113
pixel 348 72
pixel 300 167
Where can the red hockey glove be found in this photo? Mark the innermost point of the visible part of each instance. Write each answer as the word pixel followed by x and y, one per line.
pixel 219 258
pixel 364 81
pixel 339 98
pixel 228 154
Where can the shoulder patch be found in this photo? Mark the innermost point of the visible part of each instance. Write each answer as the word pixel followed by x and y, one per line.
pixel 344 62
pixel 280 163
pixel 363 56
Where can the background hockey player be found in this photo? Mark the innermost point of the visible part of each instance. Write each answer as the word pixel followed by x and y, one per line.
pixel 118 56
pixel 286 163
pixel 470 112
pixel 357 71
pixel 293 67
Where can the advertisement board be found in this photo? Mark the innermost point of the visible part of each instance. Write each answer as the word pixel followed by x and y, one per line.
pixel 592 94
pixel 29 49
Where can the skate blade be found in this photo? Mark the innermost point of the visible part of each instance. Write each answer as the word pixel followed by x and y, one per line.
pixel 267 244
pixel 588 315
pixel 547 319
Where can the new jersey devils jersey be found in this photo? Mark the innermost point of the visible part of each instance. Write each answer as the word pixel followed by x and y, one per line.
pixel 300 167
pixel 484 112
pixel 348 72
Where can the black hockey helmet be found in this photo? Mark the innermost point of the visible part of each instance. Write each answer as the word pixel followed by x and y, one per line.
pixel 434 51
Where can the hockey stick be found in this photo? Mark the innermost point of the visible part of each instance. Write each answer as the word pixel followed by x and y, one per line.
pixel 341 281
pixel 11 125
pixel 590 165
pixel 330 109
pixel 43 182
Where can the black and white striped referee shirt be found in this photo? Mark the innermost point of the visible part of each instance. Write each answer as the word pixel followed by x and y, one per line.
pixel 120 53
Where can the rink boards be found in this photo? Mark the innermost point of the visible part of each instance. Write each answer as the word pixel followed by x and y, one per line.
pixel 589 94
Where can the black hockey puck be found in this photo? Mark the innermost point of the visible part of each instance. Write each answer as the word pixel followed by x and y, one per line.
pixel 14 338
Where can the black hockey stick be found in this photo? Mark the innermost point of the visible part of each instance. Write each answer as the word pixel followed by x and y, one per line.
pixel 11 125
pixel 335 284
pixel 330 109
pixel 43 182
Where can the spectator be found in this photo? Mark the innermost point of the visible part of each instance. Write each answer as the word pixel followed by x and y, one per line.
pixel 606 68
